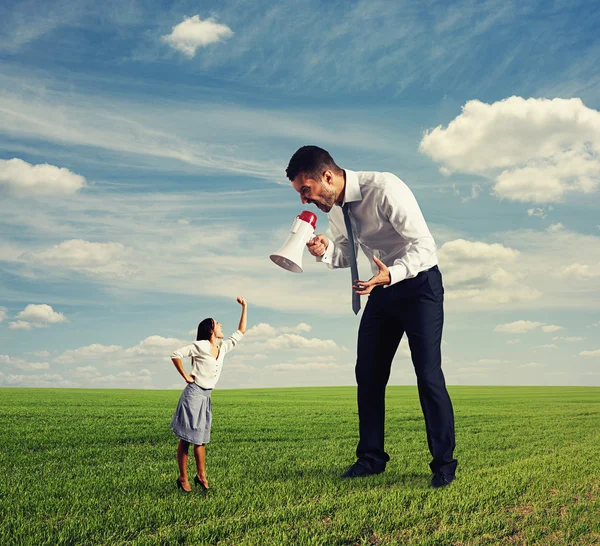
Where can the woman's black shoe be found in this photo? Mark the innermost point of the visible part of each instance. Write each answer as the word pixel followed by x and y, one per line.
pixel 180 485
pixel 197 481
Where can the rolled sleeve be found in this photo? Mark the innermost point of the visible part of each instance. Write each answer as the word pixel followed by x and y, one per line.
pixel 233 340
pixel 183 352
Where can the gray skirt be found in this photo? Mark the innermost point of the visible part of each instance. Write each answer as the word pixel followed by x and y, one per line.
pixel 193 416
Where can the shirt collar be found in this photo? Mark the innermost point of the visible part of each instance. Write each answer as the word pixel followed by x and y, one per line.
pixel 352 189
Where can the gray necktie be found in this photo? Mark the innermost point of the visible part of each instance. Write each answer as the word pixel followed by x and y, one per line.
pixel 353 264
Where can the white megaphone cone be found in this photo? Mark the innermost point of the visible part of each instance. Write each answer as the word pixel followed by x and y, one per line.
pixel 289 256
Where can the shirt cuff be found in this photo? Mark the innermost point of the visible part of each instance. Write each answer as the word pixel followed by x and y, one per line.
pixel 328 254
pixel 397 273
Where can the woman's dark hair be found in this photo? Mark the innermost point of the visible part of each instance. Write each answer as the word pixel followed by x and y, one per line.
pixel 312 161
pixel 205 329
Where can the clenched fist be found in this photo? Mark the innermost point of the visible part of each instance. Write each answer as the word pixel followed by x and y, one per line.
pixel 318 245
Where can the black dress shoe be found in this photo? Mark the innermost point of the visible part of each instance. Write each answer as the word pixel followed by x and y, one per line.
pixel 361 468
pixel 439 479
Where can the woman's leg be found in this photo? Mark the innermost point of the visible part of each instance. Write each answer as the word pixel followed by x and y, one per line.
pixel 182 459
pixel 200 468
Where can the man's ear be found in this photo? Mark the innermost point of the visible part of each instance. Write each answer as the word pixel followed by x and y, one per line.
pixel 328 177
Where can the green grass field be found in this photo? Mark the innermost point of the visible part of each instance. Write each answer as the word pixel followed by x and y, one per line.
pixel 98 467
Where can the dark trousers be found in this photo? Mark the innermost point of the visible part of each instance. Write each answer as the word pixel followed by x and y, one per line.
pixel 414 306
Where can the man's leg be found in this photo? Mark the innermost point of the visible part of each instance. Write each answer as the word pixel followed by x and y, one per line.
pixel 378 339
pixel 424 318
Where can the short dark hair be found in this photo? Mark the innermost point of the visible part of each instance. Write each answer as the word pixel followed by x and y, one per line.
pixel 311 161
pixel 205 329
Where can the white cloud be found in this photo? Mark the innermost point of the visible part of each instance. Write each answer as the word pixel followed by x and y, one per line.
pixel 486 361
pixel 157 345
pixel 77 254
pixel 122 380
pixel 569 338
pixel 42 354
pixel 19 325
pixel 540 213
pixel 482 273
pixel 579 271
pixel 153 348
pixel 549 328
pixel 46 380
pixel 533 365
pixel 475 191
pixel 194 32
pixel 22 364
pixel 94 360
pixel 590 353
pixel 518 327
pixel 86 372
pixel 308 363
pixel 23 179
pixel 261 330
pixel 294 341
pixel 474 251
pixel 301 328
pixel 473 372
pixel 264 330
pixel 513 341
pixel 88 352
pixel 240 366
pixel 543 253
pixel 523 326
pixel 403 351
pixel 536 150
pixel 124 127
pixel 264 340
pixel 245 357
pixel 316 358
pixel 37 316
pixel 546 346
pixel 3 313
pixel 304 366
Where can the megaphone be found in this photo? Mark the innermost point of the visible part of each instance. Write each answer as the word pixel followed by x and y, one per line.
pixel 289 256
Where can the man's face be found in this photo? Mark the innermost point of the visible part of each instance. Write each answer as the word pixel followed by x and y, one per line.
pixel 318 192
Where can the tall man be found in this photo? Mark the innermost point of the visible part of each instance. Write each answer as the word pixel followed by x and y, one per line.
pixel 379 212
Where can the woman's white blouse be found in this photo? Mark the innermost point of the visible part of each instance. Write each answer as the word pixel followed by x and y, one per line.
pixel 206 369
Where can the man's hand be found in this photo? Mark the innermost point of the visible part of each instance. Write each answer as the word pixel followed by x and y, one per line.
pixel 318 245
pixel 189 379
pixel 241 301
pixel 381 278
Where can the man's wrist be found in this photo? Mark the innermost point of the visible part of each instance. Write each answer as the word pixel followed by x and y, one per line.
pixel 327 255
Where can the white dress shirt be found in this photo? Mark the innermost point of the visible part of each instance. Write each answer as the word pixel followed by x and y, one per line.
pixel 206 369
pixel 386 222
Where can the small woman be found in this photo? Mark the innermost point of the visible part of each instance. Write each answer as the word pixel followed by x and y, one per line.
pixel 193 416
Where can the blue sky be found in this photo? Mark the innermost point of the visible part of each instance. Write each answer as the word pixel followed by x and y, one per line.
pixel 143 149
